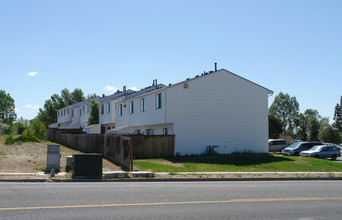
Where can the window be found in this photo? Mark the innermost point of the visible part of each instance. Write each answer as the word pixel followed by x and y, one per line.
pixel 67 111
pixel 131 110
pixel 83 110
pixel 120 109
pixel 142 104
pixel 64 112
pixel 108 107
pixel 158 101
pixel 102 109
pixel 80 112
pixel 164 131
pixel 72 113
pixel 88 108
pixel 58 114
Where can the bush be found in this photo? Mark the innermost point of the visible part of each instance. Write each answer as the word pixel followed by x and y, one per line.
pixel 34 133
pixel 210 150
pixel 36 129
pixel 11 140
pixel 330 135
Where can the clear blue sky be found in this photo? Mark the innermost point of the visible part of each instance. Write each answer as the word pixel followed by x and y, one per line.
pixel 287 46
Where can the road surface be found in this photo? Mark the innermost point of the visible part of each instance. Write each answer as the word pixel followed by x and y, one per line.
pixel 172 200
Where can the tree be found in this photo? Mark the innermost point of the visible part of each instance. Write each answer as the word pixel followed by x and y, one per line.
pixel 275 127
pixel 23 123
pixel 94 112
pixel 330 135
pixel 7 108
pixel 302 128
pixel 313 119
pixel 77 96
pixel 3 126
pixel 286 108
pixel 48 115
pixel 338 116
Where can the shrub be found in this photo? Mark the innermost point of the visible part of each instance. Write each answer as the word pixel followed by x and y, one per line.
pixel 210 150
pixel 34 133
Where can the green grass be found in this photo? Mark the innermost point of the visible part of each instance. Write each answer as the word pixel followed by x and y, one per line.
pixel 246 162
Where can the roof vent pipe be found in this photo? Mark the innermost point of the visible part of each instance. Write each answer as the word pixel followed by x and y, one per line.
pixel 124 90
pixel 215 67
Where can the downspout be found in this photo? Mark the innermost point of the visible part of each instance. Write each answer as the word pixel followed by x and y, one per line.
pixel 165 106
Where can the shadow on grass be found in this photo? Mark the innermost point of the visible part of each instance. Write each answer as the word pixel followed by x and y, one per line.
pixel 243 159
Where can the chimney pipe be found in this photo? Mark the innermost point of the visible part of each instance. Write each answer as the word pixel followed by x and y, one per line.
pixel 124 90
pixel 215 67
pixel 156 83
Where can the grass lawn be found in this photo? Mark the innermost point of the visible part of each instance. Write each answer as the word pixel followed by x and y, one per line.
pixel 238 163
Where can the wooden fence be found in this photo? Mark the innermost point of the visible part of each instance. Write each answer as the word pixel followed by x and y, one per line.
pixel 117 148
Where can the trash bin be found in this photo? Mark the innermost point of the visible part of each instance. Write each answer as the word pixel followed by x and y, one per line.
pixel 53 157
pixel 68 163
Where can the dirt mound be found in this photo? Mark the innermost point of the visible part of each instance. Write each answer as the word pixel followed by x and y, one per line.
pixel 31 157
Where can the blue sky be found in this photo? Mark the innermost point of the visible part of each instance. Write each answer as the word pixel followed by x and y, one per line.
pixel 293 47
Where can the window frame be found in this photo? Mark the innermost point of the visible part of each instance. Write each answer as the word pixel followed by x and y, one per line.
pixel 108 107
pixel 142 105
pixel 120 109
pixel 158 101
pixel 102 109
pixel 131 107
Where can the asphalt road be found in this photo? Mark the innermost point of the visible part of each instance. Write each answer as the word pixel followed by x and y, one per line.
pixel 172 200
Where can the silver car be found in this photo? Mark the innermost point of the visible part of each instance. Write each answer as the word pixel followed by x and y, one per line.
pixel 276 144
pixel 322 151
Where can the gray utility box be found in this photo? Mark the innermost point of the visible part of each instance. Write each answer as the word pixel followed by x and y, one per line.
pixel 53 157
pixel 87 166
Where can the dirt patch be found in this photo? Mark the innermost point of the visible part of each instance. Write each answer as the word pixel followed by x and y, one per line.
pixel 31 158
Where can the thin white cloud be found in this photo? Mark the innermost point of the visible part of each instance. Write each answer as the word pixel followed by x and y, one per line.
pixel 32 73
pixel 26 100
pixel 31 106
pixel 134 88
pixel 111 88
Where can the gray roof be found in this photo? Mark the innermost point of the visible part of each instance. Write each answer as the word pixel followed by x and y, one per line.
pixel 210 72
pixel 145 90
pixel 78 104
pixel 115 96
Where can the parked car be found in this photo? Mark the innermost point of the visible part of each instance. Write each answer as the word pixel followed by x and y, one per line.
pixel 276 144
pixel 339 146
pixel 298 147
pixel 323 151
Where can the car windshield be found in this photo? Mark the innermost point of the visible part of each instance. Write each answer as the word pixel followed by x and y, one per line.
pixel 295 144
pixel 315 148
